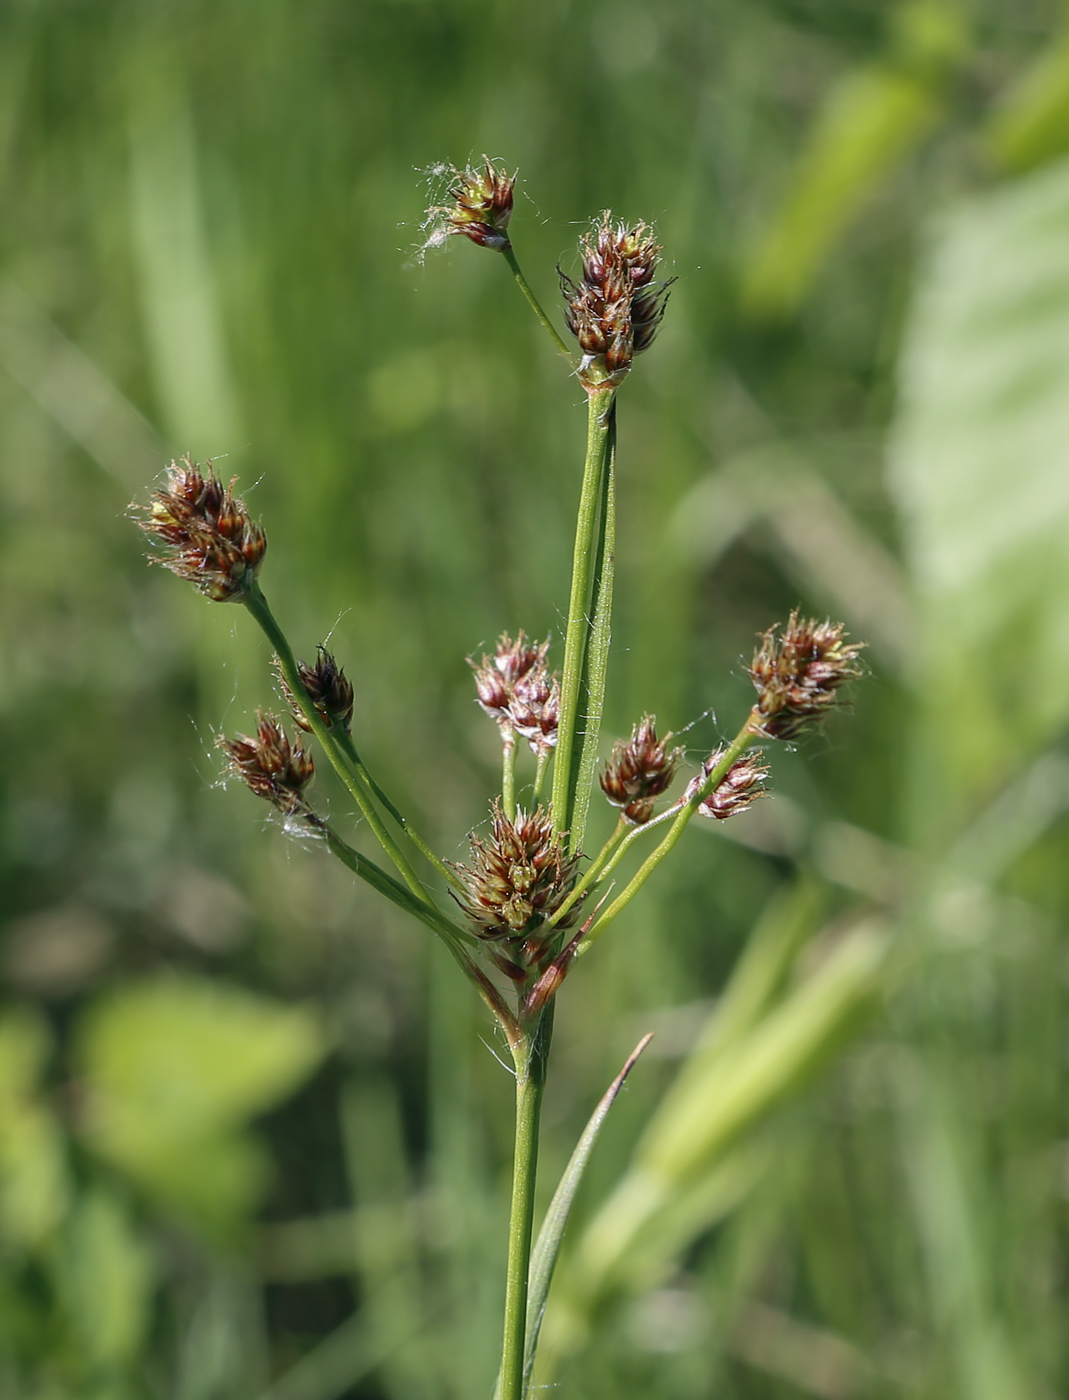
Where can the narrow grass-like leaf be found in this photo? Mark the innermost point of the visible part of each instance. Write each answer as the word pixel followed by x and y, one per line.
pixel 547 1246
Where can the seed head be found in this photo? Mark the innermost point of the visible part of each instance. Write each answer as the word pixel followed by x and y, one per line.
pixel 640 770
pixel 616 307
pixel 205 533
pixel 480 207
pixel 796 676
pixel 738 789
pixel 270 765
pixel 514 688
pixel 535 709
pixel 518 877
pixel 328 688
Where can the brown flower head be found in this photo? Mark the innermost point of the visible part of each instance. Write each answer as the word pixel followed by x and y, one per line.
pixel 480 206
pixel 535 709
pixel 640 770
pixel 616 307
pixel 796 676
pixel 270 765
pixel 204 531
pixel 328 688
pixel 497 676
pixel 518 877
pixel 738 789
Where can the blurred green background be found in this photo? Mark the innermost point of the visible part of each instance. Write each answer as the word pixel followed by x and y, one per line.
pixel 254 1143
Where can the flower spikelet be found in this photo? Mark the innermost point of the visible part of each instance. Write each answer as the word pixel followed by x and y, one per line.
pixel 535 709
pixel 329 690
pixel 640 770
pixel 270 765
pixel 615 308
pixel 738 789
pixel 517 879
pixel 480 206
pixel 514 689
pixel 205 532
pixel 797 675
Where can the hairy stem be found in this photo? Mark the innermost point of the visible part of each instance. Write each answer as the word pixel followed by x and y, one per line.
pixel 508 774
pixel 596 658
pixel 579 624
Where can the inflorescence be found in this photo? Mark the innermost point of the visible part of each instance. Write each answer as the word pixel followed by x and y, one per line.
pixel 797 676
pixel 204 532
pixel 615 308
pixel 270 765
pixel 520 890
pixel 516 690
pixel 640 770
pixel 517 880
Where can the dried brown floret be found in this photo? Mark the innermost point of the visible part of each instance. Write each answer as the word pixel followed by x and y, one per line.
pixel 640 770
pixel 205 533
pixel 796 676
pixel 738 789
pixel 615 308
pixel 480 206
pixel 270 765
pixel 517 879
pixel 328 689
pixel 514 688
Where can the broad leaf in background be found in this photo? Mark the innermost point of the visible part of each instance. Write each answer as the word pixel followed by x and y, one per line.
pixel 980 469
pixel 872 119
pixel 175 1068
pixel 34 1188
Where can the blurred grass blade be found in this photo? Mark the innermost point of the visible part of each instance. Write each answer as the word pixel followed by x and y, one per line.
pixel 1031 123
pixel 980 469
pixel 961 1292
pixel 708 1113
pixel 547 1246
pixel 874 117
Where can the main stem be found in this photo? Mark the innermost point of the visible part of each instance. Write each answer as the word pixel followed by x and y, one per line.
pixel 575 643
pixel 531 1056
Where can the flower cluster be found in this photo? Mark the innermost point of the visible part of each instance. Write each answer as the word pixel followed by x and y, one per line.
pixel 518 878
pixel 616 307
pixel 797 675
pixel 270 765
pixel 738 789
pixel 480 207
pixel 516 690
pixel 328 689
pixel 640 770
pixel 205 533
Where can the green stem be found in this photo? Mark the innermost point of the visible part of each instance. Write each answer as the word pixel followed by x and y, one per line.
pixel 575 642
pixel 596 658
pixel 510 257
pixel 531 1057
pixel 508 775
pixel 590 877
pixel 442 867
pixel 258 607
pixel 633 835
pixel 540 776
pixel 742 741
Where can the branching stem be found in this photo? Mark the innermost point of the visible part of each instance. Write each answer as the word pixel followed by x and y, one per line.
pixel 521 281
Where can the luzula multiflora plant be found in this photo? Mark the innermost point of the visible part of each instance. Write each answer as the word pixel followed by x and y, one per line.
pixel 529 901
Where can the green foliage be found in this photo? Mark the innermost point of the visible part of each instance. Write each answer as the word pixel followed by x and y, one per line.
pixel 858 1154
pixel 174 1069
